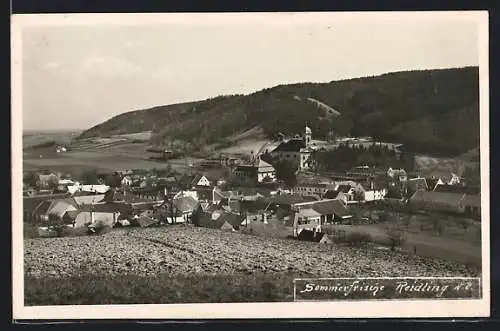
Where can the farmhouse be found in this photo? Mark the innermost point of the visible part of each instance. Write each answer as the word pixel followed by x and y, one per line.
pixel 30 203
pixel 46 180
pixel 296 150
pixel 126 181
pixel 184 208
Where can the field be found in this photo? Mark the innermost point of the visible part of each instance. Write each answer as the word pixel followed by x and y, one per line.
pixel 186 264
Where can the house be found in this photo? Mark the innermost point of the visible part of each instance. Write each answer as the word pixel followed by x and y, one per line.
pixel 296 150
pixel 472 190
pixel 361 171
pixel 57 209
pixel 314 236
pixel 312 215
pixel 221 221
pixel 46 180
pixel 105 214
pixel 191 193
pixel 184 208
pixel 259 172
pixel 372 191
pixel 417 184
pixel 126 181
pixel 202 181
pixel 397 174
pixel 333 194
pixel 438 201
pixel 88 188
pixel 88 198
pixel 30 203
pixel 312 189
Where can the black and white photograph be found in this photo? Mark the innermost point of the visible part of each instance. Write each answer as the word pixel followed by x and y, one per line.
pixel 250 165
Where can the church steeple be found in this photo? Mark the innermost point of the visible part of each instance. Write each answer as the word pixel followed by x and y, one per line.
pixel 307 136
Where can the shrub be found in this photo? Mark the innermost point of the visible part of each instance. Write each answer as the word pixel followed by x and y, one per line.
pixel 395 237
pixel 358 239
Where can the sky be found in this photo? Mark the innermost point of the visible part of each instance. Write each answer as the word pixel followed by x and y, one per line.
pixel 77 75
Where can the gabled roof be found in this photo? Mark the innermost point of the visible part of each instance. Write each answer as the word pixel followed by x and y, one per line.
pixel 233 219
pixel 289 199
pixel 30 203
pixel 185 204
pixel 414 183
pixel 344 188
pixel 452 199
pixel 292 145
pixel 264 166
pixel 57 207
pixel 145 221
pixel 473 190
pixel 332 206
pixel 308 212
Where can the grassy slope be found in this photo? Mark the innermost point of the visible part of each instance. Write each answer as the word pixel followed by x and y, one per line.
pixel 443 103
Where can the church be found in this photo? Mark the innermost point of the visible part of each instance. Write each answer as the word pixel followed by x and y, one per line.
pixel 296 150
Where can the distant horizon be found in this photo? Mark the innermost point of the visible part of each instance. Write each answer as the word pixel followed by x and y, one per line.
pixel 25 131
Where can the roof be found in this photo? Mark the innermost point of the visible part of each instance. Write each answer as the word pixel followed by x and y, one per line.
pixel 289 199
pixel 57 207
pixel 30 203
pixel 308 212
pixel 204 194
pixel 185 204
pixel 264 166
pixel 145 221
pixel 107 207
pixel 308 235
pixel 292 145
pixel 344 188
pixel 233 219
pixel 473 190
pixel 417 182
pixel 452 199
pixel 332 206
pixel 364 170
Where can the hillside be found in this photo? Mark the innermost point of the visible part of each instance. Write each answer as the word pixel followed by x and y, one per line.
pixel 433 111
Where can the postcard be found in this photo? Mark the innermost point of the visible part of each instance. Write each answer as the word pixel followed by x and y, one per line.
pixel 250 165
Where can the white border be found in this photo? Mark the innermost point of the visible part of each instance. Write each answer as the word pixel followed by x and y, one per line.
pixel 344 309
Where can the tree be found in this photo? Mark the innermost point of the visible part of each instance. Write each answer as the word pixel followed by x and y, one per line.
pixel 113 180
pixel 285 171
pixel 30 178
pixel 90 177
pixel 395 237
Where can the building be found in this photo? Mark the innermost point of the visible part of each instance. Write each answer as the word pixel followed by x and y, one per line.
pixel 312 215
pixel 260 172
pixel 417 184
pixel 361 171
pixel 202 181
pixel 438 201
pixel 296 150
pixel 312 189
pixel 397 174
pixel 314 236
pixel 55 210
pixel 126 181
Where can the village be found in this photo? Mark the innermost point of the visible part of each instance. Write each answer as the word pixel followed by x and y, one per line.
pixel 247 195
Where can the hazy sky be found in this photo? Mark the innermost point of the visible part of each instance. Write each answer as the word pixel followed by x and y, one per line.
pixel 79 75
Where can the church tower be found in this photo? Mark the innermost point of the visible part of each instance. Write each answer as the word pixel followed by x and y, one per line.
pixel 307 136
